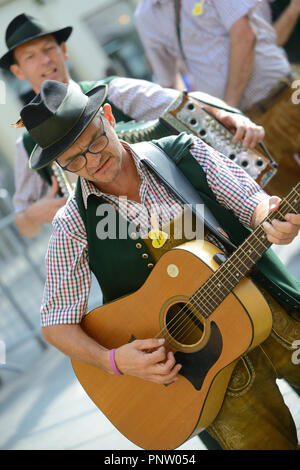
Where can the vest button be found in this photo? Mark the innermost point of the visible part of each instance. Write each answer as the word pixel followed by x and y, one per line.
pixel 133 235
pixel 139 245
pixel 150 265
pixel 145 256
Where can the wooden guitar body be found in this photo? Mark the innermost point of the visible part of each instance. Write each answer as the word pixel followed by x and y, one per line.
pixel 163 417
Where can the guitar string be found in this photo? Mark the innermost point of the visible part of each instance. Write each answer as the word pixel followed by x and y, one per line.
pixel 253 246
pixel 186 308
pixel 223 273
pixel 274 215
pixel 181 327
pixel 207 297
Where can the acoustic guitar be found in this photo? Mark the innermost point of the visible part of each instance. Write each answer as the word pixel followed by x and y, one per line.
pixel 209 314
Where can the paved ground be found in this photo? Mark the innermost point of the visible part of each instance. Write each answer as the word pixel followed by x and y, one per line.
pixel 44 407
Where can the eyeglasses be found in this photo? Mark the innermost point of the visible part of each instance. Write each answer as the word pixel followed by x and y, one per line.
pixel 97 146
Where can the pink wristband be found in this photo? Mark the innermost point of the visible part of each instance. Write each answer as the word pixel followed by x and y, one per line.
pixel 113 363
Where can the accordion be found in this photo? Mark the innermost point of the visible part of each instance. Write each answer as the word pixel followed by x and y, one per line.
pixel 187 114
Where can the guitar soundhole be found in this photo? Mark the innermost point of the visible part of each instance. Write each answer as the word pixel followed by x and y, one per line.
pixel 184 323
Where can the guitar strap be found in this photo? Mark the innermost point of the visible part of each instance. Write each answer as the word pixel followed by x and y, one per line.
pixel 161 165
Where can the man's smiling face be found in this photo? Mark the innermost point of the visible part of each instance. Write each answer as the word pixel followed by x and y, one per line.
pixel 39 60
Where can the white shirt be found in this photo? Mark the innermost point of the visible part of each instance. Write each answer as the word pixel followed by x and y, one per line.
pixel 206 44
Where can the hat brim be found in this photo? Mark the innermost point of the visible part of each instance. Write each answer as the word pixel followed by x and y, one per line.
pixel 40 158
pixel 61 35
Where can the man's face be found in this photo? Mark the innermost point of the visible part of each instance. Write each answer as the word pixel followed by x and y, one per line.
pixel 39 60
pixel 103 168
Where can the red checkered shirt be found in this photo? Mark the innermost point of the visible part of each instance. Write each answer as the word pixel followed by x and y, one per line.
pixel 68 281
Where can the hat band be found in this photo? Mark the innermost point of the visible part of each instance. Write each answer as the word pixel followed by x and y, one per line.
pixel 63 121
pixel 27 30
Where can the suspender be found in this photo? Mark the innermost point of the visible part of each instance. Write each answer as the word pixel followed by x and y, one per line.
pixel 177 4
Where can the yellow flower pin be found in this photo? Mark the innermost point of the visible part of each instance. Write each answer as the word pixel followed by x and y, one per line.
pixel 198 8
pixel 158 238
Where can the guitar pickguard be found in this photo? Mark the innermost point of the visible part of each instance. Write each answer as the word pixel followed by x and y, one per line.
pixel 196 365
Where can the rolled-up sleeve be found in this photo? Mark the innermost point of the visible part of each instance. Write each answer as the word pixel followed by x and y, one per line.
pixel 68 281
pixel 140 99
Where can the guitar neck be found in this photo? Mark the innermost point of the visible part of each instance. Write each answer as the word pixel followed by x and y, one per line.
pixel 240 263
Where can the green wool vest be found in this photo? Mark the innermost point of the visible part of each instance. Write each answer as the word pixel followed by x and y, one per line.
pixel 118 263
pixel 85 86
